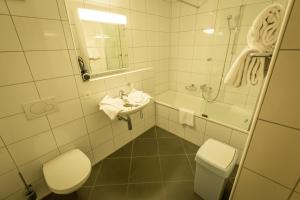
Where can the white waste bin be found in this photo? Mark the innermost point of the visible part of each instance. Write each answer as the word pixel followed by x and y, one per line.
pixel 214 164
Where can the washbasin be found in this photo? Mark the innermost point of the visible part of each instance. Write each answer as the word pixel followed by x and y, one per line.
pixel 124 104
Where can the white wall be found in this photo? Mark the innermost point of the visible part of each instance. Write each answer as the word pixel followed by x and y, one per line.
pixel 37 58
pixel 190 47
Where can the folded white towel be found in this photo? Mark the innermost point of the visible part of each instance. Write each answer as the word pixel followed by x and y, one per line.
pixel 111 106
pixel 265 28
pixel 246 70
pixel 186 117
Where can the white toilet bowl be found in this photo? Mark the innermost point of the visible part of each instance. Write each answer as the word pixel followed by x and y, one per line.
pixel 67 172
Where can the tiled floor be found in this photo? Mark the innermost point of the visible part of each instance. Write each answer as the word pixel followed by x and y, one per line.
pixel 155 166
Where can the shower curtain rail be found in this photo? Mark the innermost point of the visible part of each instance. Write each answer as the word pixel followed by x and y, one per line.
pixel 188 3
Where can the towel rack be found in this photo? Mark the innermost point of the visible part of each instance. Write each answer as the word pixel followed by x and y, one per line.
pixel 267 57
pixel 259 55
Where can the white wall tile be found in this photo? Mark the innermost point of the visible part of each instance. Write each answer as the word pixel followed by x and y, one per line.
pixel 61 88
pixel 100 136
pixel 194 136
pixel 69 132
pixel 62 9
pixel 119 128
pixel 8 38
pixel 34 8
pixel 32 148
pixel 10 183
pixel 14 68
pixel 162 122
pixel 12 98
pixel 291 39
pixel 7 163
pixel 238 139
pixel 281 103
pixel 252 186
pixel 33 171
pixel 68 35
pixel 162 111
pixel 18 127
pixel 90 87
pixel 96 121
pixel 103 150
pixel 49 64
pixel 40 34
pixel 272 149
pixel 82 143
pixel 176 129
pixel 90 104
pixel 218 132
pixel 3 7
pixel 295 196
pixel 68 111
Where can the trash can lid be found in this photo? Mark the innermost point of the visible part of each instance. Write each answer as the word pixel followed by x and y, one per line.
pixel 217 155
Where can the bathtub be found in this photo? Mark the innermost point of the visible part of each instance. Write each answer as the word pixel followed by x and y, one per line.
pixel 224 114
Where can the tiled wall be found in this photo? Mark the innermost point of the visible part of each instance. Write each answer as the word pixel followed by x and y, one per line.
pixel 167 118
pixel 198 58
pixel 271 169
pixel 37 59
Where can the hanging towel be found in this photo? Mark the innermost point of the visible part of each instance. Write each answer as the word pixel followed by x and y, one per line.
pixel 111 106
pixel 265 28
pixel 186 117
pixel 246 70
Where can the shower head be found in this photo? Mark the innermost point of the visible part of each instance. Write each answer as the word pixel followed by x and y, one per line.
pixel 229 20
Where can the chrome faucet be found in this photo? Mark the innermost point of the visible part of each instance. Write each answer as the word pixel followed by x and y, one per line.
pixel 122 94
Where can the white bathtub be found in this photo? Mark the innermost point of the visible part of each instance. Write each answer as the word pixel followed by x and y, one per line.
pixel 225 114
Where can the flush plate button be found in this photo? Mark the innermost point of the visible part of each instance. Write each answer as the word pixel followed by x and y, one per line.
pixel 40 107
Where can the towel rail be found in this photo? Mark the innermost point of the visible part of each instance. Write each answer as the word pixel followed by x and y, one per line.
pixel 267 57
pixel 259 55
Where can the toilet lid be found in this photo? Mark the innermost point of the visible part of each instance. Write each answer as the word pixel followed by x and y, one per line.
pixel 67 172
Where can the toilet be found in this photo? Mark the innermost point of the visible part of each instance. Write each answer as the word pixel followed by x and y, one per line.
pixel 215 162
pixel 68 172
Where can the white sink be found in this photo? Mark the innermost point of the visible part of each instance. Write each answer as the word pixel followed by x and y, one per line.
pixel 130 108
pixel 125 104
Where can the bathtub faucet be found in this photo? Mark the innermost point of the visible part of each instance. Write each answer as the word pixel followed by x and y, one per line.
pixel 205 88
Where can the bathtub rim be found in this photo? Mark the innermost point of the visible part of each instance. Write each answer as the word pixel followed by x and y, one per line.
pixel 200 116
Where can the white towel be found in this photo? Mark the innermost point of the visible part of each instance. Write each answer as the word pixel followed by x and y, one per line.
pixel 186 117
pixel 246 70
pixel 111 106
pixel 265 28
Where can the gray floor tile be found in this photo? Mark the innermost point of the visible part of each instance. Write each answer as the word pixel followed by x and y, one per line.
pixel 145 169
pixel 190 148
pixel 114 171
pixel 151 133
pixel 180 191
pixel 192 161
pixel 170 146
pixel 161 133
pixel 145 147
pixel 124 151
pixel 82 194
pixel 93 175
pixel 148 191
pixel 115 192
pixel 176 168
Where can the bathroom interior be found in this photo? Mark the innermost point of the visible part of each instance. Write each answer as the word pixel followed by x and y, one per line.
pixel 149 99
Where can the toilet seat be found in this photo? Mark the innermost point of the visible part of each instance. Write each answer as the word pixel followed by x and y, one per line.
pixel 67 172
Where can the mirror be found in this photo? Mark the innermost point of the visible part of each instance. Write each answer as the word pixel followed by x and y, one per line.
pixel 101 39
